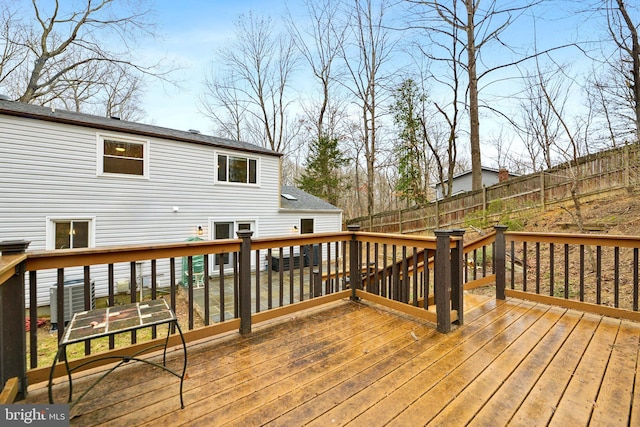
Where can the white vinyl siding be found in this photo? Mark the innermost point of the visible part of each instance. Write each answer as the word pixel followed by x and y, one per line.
pixel 48 171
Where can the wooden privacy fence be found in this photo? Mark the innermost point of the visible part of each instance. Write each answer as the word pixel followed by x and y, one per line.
pixel 598 173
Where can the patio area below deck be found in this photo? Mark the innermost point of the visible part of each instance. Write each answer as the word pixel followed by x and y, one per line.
pixel 512 363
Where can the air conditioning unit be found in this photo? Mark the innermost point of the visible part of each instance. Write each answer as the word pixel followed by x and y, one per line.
pixel 73 299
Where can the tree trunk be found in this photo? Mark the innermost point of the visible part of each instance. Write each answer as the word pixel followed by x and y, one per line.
pixel 474 131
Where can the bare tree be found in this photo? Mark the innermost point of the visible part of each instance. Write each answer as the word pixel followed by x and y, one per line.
pixel 63 56
pixel 224 103
pixel 540 126
pixel 12 34
pixel 256 70
pixel 473 28
pixel 370 49
pixel 624 32
pixel 615 89
pixel 320 44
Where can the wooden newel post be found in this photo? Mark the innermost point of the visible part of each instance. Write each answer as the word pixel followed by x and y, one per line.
pixel 442 280
pixel 13 347
pixel 457 280
pixel 354 262
pixel 244 291
pixel 500 261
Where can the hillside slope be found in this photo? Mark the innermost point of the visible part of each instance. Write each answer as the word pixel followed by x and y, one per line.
pixel 616 214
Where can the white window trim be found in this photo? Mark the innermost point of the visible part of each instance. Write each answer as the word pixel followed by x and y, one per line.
pixel 50 229
pixel 100 137
pixel 236 154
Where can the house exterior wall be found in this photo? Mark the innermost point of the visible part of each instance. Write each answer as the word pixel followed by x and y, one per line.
pixel 50 171
pixel 463 183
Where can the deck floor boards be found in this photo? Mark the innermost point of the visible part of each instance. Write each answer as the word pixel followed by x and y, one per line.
pixel 512 363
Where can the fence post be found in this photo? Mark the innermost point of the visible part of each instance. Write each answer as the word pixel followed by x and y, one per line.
pixel 354 262
pixel 484 203
pixel 626 172
pixel 457 281
pixel 13 354
pixel 542 202
pixel 442 280
pixel 244 291
pixel 500 261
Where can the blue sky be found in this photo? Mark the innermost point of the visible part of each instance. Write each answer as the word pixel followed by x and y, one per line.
pixel 191 32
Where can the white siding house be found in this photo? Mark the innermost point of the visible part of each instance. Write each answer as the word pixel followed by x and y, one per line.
pixel 463 182
pixel 76 180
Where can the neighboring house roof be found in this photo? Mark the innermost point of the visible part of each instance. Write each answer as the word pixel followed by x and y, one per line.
pixel 294 198
pixel 20 109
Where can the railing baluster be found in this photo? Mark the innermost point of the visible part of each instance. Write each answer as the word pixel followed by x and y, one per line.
pixel 616 278
pixel 383 280
pixel 513 265
pixel 60 303
pixel 524 266
pixel 337 261
pixel 257 288
pixel 87 302
pixel 154 292
pixel 484 261
pixel 236 283
pixel 566 271
pixel 404 281
pixel 537 267
pixel 301 272
pixel 552 273
pixel 281 277
pixel 427 280
pixel 33 322
pixel 134 292
pixel 415 276
pixel 319 260
pixel 582 273
pixel 598 274
pixel 205 291
pixel 475 264
pixel 281 262
pixel 328 285
pixel 292 291
pixel 635 278
pixel 190 283
pixel 394 293
pixel 344 265
pixel 221 291
pixel 172 287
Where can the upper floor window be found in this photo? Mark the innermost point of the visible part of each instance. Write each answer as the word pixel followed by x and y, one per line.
pixel 122 156
pixel 237 169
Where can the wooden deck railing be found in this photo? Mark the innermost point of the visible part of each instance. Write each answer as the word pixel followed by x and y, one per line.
pixel 593 273
pixel 253 280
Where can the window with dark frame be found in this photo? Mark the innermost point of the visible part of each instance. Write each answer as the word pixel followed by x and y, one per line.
pixel 237 169
pixel 306 226
pixel 123 157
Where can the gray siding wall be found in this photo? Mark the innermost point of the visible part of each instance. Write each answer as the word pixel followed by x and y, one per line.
pixel 48 170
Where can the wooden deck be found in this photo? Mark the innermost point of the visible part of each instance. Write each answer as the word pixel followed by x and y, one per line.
pixel 512 363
